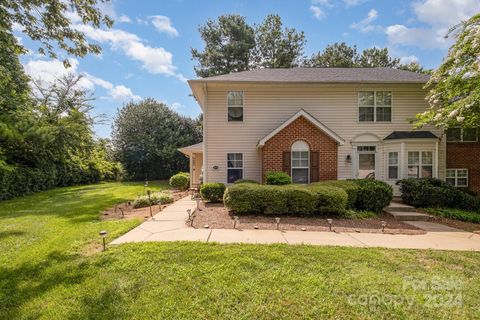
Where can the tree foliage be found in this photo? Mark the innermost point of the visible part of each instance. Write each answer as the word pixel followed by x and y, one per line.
pixel 335 55
pixel 454 95
pixel 48 23
pixel 376 57
pixel 228 42
pixel 146 138
pixel 277 48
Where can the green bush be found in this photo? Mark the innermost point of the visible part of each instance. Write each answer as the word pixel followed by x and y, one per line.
pixel 349 187
pixel 212 192
pixel 290 199
pixel 457 214
pixel 277 178
pixel 432 192
pixel 372 195
pixel 180 180
pixel 245 181
pixel 162 197
pixel 352 214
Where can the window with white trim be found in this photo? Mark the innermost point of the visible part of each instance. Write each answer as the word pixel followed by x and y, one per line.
pixel 420 164
pixel 300 162
pixel 234 167
pixel 393 165
pixel 235 106
pixel 457 177
pixel 462 135
pixel 374 106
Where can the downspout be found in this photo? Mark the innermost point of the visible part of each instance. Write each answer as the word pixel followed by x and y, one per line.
pixel 205 109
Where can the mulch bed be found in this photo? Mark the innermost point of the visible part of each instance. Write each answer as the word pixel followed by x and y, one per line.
pixel 126 210
pixel 216 216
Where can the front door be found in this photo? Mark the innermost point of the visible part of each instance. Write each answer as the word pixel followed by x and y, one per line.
pixel 366 162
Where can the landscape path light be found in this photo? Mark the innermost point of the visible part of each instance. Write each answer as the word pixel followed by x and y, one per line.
pixel 150 203
pixel 330 222
pixel 277 220
pixel 103 234
pixel 384 224
pixel 235 220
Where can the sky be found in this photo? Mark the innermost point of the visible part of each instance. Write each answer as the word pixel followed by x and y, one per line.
pixel 147 51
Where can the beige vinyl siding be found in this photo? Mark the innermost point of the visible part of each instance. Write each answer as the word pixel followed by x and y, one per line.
pixel 268 106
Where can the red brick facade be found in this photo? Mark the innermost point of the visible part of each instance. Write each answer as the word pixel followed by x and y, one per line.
pixel 465 155
pixel 301 129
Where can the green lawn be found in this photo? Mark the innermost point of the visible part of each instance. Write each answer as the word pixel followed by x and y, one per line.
pixel 48 269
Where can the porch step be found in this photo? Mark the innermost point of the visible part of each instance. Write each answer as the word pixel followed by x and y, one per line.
pixel 408 216
pixel 399 207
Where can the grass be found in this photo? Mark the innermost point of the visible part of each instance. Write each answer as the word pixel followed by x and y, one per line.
pixel 457 214
pixel 49 270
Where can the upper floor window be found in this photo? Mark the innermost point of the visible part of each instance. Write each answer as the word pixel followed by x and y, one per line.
pixel 235 106
pixel 462 135
pixel 374 106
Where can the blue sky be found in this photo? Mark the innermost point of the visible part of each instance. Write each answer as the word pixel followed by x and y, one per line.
pixel 147 52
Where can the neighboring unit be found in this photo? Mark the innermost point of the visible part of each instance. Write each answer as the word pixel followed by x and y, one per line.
pixel 321 124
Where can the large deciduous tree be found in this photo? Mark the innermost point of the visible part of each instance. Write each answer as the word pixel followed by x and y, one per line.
pixel 228 45
pixel 146 136
pixel 454 95
pixel 335 55
pixel 376 57
pixel 276 47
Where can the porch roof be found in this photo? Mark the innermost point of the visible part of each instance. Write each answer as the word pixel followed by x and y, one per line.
pixel 194 148
pixel 309 117
pixel 396 135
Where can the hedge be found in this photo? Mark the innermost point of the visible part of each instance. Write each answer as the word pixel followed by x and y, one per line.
pixel 249 198
pixel 348 186
pixel 212 192
pixel 372 195
pixel 432 192
pixel 277 178
pixel 155 198
pixel 180 180
pixel 245 181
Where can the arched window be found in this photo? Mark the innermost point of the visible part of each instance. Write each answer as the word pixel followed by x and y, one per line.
pixel 300 162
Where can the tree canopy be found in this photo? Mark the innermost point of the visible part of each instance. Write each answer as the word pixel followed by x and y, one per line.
pixel 454 95
pixel 146 136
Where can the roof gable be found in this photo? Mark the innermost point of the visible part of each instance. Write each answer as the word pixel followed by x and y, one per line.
pixel 309 117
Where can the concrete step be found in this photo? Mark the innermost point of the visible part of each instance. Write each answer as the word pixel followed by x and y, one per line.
pixel 408 215
pixel 399 207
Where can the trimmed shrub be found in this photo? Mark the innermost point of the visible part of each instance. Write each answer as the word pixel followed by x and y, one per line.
pixel 432 192
pixel 352 214
pixel 245 181
pixel 372 195
pixel 180 180
pixel 212 192
pixel 290 199
pixel 162 197
pixel 457 214
pixel 349 187
pixel 277 178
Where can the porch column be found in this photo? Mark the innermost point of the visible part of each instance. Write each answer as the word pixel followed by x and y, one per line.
pixel 402 162
pixel 435 161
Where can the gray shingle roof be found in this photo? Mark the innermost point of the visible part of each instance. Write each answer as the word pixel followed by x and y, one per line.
pixel 348 75
pixel 410 135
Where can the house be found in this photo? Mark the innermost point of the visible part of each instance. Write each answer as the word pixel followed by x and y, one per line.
pixel 325 123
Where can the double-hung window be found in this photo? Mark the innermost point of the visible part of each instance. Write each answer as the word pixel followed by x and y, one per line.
pixel 375 106
pixel 234 167
pixel 420 164
pixel 457 177
pixel 393 165
pixel 462 135
pixel 235 106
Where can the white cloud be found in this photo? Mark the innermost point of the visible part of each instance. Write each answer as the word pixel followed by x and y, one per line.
pixel 175 105
pixel 408 59
pixel 124 18
pixel 317 12
pixel 352 3
pixel 164 24
pixel 47 71
pixel 155 60
pixel 438 16
pixel 323 3
pixel 365 24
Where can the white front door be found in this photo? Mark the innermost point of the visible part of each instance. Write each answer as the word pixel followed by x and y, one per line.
pixel 366 162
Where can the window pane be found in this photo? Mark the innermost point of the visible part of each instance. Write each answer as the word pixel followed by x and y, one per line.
pixel 366 148
pixel 304 162
pixel 384 98
pixel 427 157
pixel 366 114
pixel 462 173
pixel 235 98
pixel 450 173
pixel 393 158
pixel 450 181
pixel 392 172
pixel 366 98
pixel 234 174
pixel 384 114
pixel 300 176
pixel 295 163
pixel 295 155
pixel 427 171
pixel 454 134
pixel 235 113
pixel 304 155
pixel 230 156
pixel 462 182
pixel 413 171
pixel 239 156
pixel 469 135
pixel 413 157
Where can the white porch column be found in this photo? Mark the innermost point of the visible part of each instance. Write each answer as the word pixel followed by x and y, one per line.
pixel 435 161
pixel 402 162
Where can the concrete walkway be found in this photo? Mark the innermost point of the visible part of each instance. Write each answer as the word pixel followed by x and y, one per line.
pixel 169 225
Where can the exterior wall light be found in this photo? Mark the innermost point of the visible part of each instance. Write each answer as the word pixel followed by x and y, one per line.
pixel 215 167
